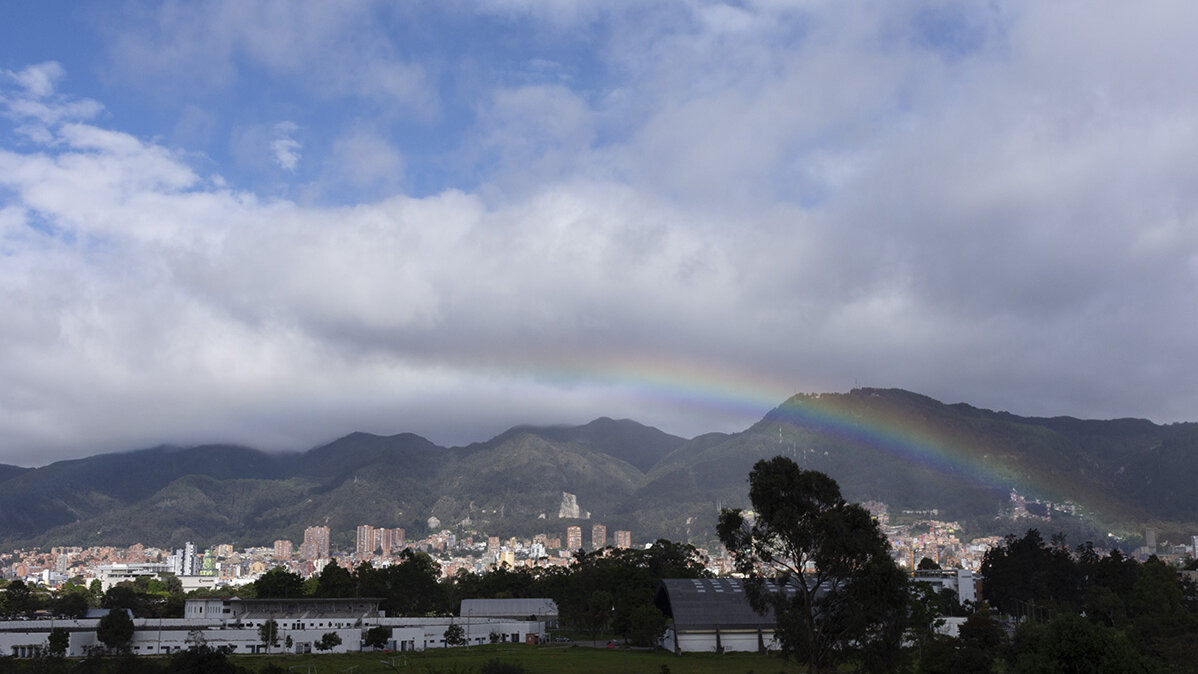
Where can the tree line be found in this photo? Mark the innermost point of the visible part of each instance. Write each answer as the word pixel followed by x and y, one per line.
pixel 823 568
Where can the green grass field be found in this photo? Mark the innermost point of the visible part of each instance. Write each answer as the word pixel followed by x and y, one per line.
pixel 534 659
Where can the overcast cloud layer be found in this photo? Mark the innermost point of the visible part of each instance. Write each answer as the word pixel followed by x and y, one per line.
pixel 274 223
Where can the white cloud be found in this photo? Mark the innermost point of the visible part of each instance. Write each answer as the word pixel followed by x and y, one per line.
pixel 993 205
pixel 365 158
pixel 327 49
pixel 34 105
pixel 285 149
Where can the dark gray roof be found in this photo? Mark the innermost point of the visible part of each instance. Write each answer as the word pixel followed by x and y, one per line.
pixel 707 603
pixel 508 608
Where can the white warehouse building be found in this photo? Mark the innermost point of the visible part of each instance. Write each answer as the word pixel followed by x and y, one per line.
pixel 234 623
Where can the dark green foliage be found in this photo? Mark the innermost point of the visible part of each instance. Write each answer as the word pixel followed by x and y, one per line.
pixel 854 605
pixel 409 588
pixel 1141 609
pixel 644 625
pixel 268 634
pixel 614 589
pixel 147 597
pixel 278 583
pixel 497 666
pixel 925 615
pixel 1071 644
pixel 1024 576
pixel 19 600
pixel 335 581
pixel 70 605
pixel 115 630
pixel 58 642
pixel 596 614
pixel 454 635
pixel 328 641
pixel 377 637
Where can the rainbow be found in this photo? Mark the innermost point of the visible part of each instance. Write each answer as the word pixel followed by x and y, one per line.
pixel 738 399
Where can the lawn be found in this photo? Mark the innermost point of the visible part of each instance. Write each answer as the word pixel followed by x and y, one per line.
pixel 535 660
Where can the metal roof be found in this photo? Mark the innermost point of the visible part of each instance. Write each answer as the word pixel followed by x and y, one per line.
pixel 707 603
pixel 503 608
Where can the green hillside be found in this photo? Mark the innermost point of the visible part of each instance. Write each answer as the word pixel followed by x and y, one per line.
pixel 905 449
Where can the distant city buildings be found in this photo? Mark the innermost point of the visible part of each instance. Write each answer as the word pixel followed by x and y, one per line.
pixel 316 544
pixel 574 538
pixel 396 540
pixel 598 537
pixel 282 550
pixel 368 541
pixel 623 539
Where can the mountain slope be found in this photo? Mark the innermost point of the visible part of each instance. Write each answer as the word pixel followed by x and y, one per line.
pixel 638 445
pixel 906 449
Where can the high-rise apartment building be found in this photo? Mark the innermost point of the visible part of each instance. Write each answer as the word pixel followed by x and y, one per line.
pixel 598 537
pixel 623 539
pixel 574 538
pixel 282 549
pixel 396 539
pixel 191 566
pixel 367 540
pixel 316 543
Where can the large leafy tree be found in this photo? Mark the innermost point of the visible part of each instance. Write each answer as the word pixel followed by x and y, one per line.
pixel 328 641
pixel 455 635
pixel 58 642
pixel 115 629
pixel 336 581
pixel 822 565
pixel 279 583
pixel 1026 576
pixel 377 637
pixel 407 588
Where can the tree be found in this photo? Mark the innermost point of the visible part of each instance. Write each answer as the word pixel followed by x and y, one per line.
pixel 115 629
pixel 407 588
pixel 1024 575
pixel 268 634
pixel 598 613
pixel 328 641
pixel 279 583
pixel 455 635
pixel 335 581
pixel 58 642
pixel 18 599
pixel 646 625
pixel 70 605
pixel 378 636
pixel 1070 643
pixel 822 565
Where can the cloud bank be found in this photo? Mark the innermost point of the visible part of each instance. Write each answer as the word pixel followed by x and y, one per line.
pixel 679 213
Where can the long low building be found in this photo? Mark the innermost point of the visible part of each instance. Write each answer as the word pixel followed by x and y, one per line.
pixel 234 623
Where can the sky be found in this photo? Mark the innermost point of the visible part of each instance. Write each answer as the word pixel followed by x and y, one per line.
pixel 274 223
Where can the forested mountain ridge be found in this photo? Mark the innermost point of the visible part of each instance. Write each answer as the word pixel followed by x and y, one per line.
pixel 903 448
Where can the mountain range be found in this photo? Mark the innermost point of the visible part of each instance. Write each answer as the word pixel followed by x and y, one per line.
pixel 907 450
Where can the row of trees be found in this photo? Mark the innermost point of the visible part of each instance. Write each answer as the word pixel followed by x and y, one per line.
pixel 608 591
pixel 146 596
